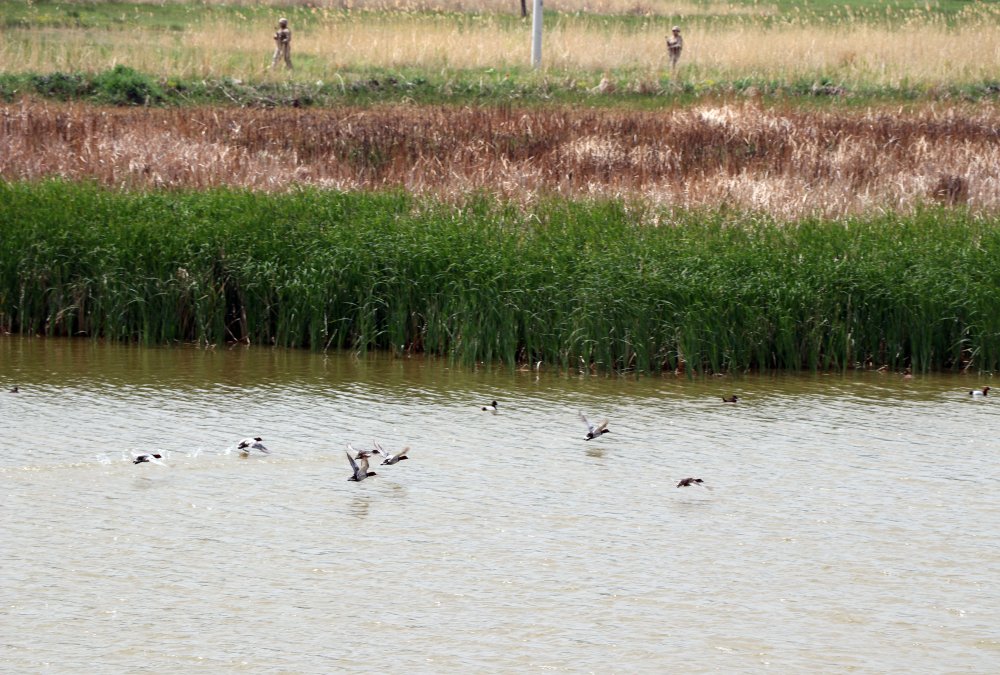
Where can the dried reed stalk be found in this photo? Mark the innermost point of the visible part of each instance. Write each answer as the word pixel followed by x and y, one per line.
pixel 785 162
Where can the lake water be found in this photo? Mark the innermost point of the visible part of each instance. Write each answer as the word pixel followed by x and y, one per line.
pixel 854 524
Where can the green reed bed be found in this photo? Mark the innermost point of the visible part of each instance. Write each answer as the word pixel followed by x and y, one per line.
pixel 603 285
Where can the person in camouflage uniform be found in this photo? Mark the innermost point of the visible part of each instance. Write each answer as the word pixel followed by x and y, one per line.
pixel 282 44
pixel 675 44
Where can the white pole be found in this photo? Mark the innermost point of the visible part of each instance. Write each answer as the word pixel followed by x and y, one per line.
pixel 536 34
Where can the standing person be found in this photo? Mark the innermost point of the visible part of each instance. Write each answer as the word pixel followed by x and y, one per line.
pixel 282 44
pixel 675 44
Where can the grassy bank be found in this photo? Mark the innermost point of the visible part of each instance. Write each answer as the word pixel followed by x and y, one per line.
pixel 637 89
pixel 568 283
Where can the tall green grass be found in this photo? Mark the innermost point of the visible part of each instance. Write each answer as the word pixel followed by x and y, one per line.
pixel 597 285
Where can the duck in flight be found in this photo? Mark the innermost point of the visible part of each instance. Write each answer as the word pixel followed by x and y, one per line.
pixel 359 454
pixel 360 468
pixel 248 444
pixel 688 482
pixel 595 430
pixel 153 458
pixel 389 457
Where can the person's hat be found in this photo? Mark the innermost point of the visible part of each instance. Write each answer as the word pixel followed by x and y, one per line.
pixel 676 29
pixel 282 22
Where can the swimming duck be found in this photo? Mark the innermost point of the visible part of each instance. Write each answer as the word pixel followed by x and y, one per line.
pixel 731 399
pixel 147 457
pixel 392 458
pixel 360 469
pixel 359 454
pixel 14 390
pixel 248 444
pixel 980 392
pixel 688 482
pixel 595 430
pixel 492 407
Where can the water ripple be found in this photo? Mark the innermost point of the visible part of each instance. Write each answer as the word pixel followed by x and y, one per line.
pixel 852 523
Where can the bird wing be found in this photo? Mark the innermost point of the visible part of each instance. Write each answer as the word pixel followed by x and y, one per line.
pixel 354 465
pixel 403 452
pixel 378 449
pixel 590 427
pixel 601 427
pixel 260 446
pixel 246 442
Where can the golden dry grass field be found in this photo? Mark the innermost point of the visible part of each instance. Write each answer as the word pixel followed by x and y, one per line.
pixel 735 41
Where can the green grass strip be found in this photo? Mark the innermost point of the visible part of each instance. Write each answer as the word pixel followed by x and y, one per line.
pixel 123 86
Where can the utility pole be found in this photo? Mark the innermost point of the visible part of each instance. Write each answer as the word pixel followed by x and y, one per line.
pixel 536 34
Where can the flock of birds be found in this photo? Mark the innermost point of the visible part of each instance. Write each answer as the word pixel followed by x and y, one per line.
pixel 359 458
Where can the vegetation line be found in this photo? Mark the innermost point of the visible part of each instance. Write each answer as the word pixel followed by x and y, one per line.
pixel 630 88
pixel 593 284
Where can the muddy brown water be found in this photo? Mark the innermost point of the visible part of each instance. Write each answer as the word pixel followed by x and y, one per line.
pixel 853 524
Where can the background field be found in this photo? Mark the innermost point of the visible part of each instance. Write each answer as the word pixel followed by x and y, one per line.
pixel 857 46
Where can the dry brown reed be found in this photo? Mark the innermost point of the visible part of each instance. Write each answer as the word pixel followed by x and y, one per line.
pixel 785 162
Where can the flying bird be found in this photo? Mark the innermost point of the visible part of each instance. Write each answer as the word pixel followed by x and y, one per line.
pixel 359 454
pixel 153 458
pixel 360 468
pixel 595 430
pixel 688 482
pixel 248 444
pixel 389 457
